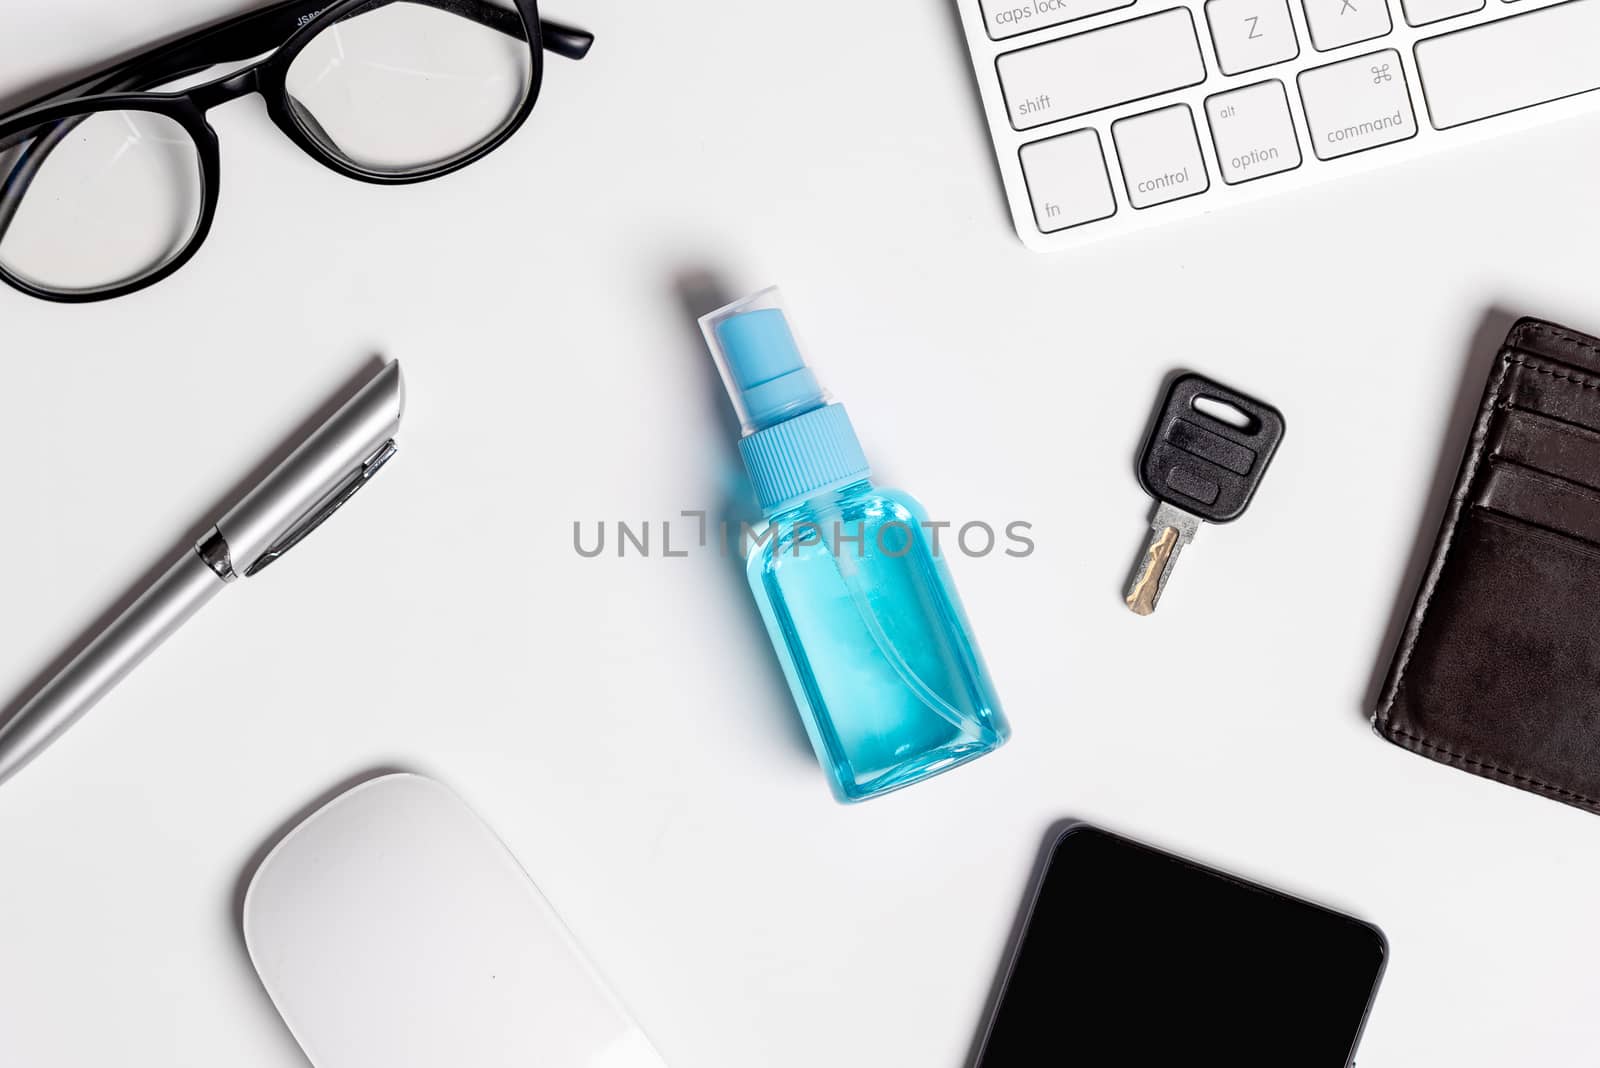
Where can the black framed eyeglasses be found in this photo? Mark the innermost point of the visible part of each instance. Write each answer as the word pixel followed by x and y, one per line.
pixel 110 184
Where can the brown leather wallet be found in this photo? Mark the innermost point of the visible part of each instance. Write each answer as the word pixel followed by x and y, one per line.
pixel 1498 669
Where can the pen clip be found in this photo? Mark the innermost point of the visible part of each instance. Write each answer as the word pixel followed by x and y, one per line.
pixel 331 503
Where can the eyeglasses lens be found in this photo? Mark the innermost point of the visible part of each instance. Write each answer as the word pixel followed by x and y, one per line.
pixel 398 87
pixel 98 200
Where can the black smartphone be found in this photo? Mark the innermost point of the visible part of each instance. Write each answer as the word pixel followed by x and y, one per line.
pixel 1131 956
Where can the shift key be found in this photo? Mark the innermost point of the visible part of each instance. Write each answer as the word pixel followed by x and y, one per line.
pixel 1101 68
pixel 1357 104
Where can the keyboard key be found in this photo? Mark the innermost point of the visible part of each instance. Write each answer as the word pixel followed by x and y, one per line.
pixel 1535 57
pixel 1422 12
pixel 1252 132
pixel 1007 18
pixel 1067 180
pixel 1357 104
pixel 1251 34
pixel 1336 23
pixel 1160 156
pixel 1116 64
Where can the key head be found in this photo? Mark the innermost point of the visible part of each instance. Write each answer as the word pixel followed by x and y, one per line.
pixel 1198 459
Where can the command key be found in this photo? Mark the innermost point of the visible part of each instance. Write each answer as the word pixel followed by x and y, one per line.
pixel 1357 104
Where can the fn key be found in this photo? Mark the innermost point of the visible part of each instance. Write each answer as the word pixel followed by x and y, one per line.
pixel 1207 452
pixel 1067 180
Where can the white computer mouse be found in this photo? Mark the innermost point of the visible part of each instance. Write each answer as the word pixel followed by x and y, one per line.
pixel 392 928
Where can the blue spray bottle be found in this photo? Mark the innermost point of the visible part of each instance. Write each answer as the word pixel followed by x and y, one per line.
pixel 858 603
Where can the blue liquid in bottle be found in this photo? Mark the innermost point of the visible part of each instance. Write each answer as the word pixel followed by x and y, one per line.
pixel 858 603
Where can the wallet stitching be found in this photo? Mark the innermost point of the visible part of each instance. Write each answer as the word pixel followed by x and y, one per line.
pixel 1507 361
pixel 1563 376
pixel 1497 769
pixel 1580 340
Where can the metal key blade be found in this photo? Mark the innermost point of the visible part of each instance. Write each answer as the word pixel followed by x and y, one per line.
pixel 1170 530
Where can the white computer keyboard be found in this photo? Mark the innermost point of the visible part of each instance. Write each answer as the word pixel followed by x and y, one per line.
pixel 1109 115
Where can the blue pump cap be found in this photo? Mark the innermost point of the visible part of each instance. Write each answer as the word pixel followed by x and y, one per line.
pixel 796 441
pixel 766 367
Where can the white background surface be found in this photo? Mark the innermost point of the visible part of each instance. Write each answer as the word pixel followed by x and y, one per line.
pixel 622 722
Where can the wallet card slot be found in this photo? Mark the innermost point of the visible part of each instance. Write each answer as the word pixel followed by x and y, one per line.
pixel 1541 500
pixel 1542 539
pixel 1531 439
pixel 1555 390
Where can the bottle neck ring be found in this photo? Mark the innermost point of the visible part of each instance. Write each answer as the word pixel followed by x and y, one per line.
pixel 802 457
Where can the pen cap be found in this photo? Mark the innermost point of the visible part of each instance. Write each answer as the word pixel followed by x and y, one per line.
pixel 796 442
pixel 315 470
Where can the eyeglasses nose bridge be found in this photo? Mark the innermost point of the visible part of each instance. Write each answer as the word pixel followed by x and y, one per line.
pixel 242 83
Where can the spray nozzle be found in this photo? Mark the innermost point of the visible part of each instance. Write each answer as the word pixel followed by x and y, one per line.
pixel 761 364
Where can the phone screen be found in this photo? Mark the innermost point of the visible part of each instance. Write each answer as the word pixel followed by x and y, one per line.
pixel 1133 956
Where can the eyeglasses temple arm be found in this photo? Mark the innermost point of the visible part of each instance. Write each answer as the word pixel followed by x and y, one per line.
pixel 239 39
pixel 565 41
pixel 236 39
pixel 266 29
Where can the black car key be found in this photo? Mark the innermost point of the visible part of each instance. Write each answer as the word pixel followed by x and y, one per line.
pixel 1207 452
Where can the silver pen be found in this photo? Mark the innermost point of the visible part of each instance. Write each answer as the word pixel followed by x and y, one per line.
pixel 324 472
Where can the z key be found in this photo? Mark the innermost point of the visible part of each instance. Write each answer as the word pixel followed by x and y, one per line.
pixel 1207 452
